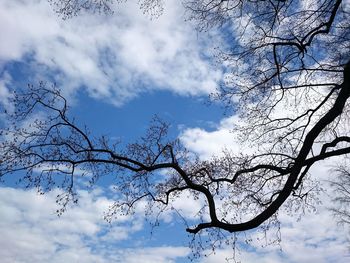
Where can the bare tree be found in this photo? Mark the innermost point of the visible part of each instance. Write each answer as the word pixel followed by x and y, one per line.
pixel 288 80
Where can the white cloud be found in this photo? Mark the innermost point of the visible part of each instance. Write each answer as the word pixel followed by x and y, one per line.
pixel 4 92
pixel 151 255
pixel 206 143
pixel 115 57
pixel 32 232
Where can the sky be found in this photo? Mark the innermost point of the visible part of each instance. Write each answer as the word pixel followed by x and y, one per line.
pixel 118 71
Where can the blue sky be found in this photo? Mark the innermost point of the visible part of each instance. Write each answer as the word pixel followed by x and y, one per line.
pixel 118 72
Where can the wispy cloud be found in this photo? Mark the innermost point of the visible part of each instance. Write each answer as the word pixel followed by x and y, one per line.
pixel 32 232
pixel 114 57
pixel 4 92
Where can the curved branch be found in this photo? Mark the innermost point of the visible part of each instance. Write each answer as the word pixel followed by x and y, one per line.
pixel 328 118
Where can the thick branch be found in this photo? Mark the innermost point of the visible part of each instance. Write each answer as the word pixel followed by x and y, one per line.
pixel 327 119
